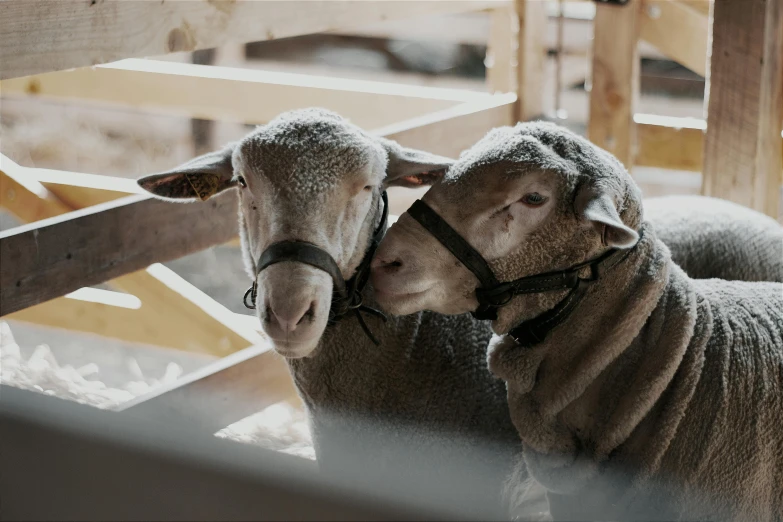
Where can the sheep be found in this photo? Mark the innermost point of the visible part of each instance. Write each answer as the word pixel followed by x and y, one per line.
pixel 420 407
pixel 714 238
pixel 651 395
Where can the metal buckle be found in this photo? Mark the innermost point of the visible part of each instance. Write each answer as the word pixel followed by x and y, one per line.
pixel 252 292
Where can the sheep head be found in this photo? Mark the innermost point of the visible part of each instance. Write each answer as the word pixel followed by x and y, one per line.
pixel 530 199
pixel 310 176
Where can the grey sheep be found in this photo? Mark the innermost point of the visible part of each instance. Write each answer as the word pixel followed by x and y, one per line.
pixel 715 238
pixel 640 395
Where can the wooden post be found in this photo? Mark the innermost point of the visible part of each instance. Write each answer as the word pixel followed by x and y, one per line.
pixel 531 58
pixel 500 51
pixel 615 79
pixel 202 131
pixel 742 160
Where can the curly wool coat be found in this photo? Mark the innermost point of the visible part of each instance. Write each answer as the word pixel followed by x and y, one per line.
pixel 660 396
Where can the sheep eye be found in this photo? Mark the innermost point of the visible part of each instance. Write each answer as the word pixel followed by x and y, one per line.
pixel 368 188
pixel 242 182
pixel 534 199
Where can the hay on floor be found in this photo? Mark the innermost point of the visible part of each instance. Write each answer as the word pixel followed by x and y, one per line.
pixel 280 427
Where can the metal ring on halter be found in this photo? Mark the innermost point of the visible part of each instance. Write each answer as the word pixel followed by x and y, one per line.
pixel 253 293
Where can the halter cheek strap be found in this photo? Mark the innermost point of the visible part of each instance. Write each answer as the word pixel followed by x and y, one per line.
pixel 462 250
pixel 491 294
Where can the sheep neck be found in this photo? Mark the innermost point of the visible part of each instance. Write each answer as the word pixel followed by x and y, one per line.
pixel 579 395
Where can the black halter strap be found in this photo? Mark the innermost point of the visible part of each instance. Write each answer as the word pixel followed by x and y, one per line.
pixel 492 294
pixel 346 296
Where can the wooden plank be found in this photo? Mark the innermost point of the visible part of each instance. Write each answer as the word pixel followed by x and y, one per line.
pixel 112 317
pixel 670 143
pixel 703 6
pixel 174 313
pixel 56 256
pixel 81 190
pixel 451 131
pixel 75 189
pixel 678 30
pixel 213 92
pixel 41 35
pixel 474 29
pixel 501 49
pixel 88 317
pixel 531 58
pixel 615 79
pixel 25 202
pixel 745 106
pixel 221 393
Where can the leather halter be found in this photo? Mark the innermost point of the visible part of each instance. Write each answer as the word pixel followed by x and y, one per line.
pixel 493 294
pixel 346 295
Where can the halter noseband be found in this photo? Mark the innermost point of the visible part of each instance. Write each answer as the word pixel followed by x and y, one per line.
pixel 346 295
pixel 492 294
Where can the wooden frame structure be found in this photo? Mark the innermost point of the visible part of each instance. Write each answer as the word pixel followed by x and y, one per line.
pixel 77 235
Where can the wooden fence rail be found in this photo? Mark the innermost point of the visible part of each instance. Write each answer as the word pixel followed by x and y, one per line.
pixel 50 35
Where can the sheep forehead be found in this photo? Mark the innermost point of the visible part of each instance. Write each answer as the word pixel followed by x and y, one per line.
pixel 510 151
pixel 308 153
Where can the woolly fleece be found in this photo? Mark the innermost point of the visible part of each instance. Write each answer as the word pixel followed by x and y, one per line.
pixel 421 409
pixel 660 397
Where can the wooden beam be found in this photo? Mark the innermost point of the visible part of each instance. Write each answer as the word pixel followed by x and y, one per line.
pixel 28 203
pixel 55 256
pixel 531 58
pixel 221 393
pixel 90 317
pixel 745 105
pixel 474 29
pixel 80 190
pixel 174 314
pixel 39 35
pixel 451 131
pixel 670 143
pixel 165 318
pixel 702 6
pixel 244 95
pixel 501 50
pixel 679 30
pixel 615 79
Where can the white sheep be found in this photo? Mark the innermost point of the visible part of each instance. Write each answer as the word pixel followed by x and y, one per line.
pixel 638 392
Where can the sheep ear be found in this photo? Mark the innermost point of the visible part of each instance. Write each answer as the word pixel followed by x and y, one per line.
pixel 200 178
pixel 598 209
pixel 413 168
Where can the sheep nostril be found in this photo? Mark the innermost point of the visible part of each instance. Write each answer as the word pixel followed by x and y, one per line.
pixel 267 314
pixel 309 314
pixel 392 266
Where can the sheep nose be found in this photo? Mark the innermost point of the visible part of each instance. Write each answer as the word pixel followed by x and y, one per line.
pixel 289 315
